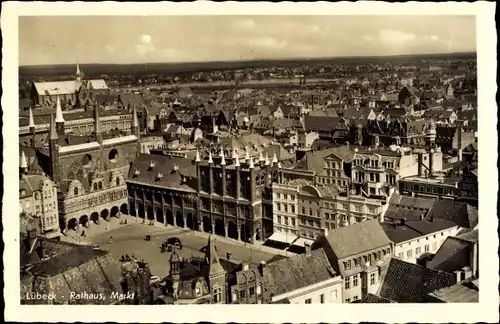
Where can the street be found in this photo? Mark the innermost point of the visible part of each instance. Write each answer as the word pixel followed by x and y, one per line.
pixel 130 240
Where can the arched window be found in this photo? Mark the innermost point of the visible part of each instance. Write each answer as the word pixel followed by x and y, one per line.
pixel 117 181
pixel 100 185
pixel 37 195
pixel 75 191
pixel 95 186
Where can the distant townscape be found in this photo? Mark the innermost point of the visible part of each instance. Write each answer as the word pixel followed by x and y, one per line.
pixel 306 182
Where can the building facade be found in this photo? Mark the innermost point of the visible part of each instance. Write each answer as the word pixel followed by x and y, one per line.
pixel 38 199
pixel 90 174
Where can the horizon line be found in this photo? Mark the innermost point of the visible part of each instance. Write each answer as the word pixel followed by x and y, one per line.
pixel 260 59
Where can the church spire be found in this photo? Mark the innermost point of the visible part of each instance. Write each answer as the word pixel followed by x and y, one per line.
pixel 79 74
pixel 59 114
pixel 213 259
pixel 24 162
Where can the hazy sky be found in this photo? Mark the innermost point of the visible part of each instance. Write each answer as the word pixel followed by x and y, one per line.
pixel 126 39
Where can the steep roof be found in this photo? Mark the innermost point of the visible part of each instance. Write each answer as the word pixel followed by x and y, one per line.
pixel 460 213
pixel 357 238
pixel 296 272
pixel 454 254
pixel 214 264
pixel 405 282
pixel 315 160
pixel 165 165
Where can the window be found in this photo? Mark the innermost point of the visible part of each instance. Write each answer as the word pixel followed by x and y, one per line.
pixel 372 279
pixel 251 291
pixel 369 258
pixel 286 221
pixel 95 186
pixel 292 197
pixel 318 213
pixel 308 301
pixel 37 195
pixel 285 208
pixel 348 300
pixel 285 196
pixel 418 251
pixel 357 261
pixel 242 294
pixel 293 221
pixel 401 255
pixel 347 284
pixel 347 265
pixel 310 212
pixel 327 215
pixel 279 219
pixel 377 256
pixel 75 191
pixel 303 210
pixel 117 181
pixel 293 209
pixel 322 298
pixel 100 185
pixel 355 281
pixel 217 294
pixel 426 248
pixel 278 207
pixel 409 253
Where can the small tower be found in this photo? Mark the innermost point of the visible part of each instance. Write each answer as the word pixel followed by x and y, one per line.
pixel 135 123
pixel 431 134
pixel 54 152
pixel 216 277
pixel 97 126
pixel 79 73
pixel 175 266
pixel 359 135
pixel 23 166
pixel 59 118
pixel 32 128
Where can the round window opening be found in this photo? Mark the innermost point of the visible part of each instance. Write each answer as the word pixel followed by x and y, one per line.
pixel 113 155
pixel 87 160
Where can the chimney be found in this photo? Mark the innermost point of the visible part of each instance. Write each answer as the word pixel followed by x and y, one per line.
pixel 467 271
pixel 261 267
pixel 458 275
pixel 245 266
pixel 308 249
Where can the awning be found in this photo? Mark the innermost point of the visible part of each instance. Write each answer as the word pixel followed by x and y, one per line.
pixel 283 237
pixel 302 242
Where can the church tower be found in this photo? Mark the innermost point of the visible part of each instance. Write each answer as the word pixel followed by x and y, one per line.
pixel 54 152
pixel 216 278
pixel 79 73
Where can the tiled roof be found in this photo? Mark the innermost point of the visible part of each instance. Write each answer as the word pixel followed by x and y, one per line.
pixel 296 272
pixel 405 282
pixel 411 202
pixel 357 238
pixel 321 123
pixel 458 212
pixel 56 88
pixel 165 166
pixel 315 160
pixel 372 299
pixel 72 268
pixel 416 228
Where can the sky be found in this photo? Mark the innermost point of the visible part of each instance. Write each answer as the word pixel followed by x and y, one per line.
pixel 156 39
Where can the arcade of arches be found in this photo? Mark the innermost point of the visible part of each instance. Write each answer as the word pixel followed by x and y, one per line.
pixel 179 211
pixel 94 218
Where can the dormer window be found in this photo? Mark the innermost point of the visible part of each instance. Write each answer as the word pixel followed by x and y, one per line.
pixel 176 167
pixel 152 165
pixel 137 172
pixel 75 191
